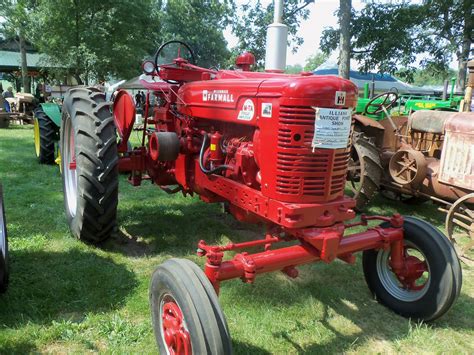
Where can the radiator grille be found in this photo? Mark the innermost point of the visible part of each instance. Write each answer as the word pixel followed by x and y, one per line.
pixel 315 176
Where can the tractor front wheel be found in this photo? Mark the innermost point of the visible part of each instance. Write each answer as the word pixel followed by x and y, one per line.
pixel 45 136
pixel 186 315
pixel 89 162
pixel 4 267
pixel 431 278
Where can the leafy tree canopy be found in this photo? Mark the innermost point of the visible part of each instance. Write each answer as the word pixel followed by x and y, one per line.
pixel 200 24
pixel 389 35
pixel 315 61
pixel 95 38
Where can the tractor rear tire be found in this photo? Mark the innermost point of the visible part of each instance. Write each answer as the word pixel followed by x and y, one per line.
pixel 4 265
pixel 89 163
pixel 185 311
pixel 46 135
pixel 441 279
pixel 366 173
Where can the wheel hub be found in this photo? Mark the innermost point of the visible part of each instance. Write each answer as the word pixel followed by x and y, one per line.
pixel 410 282
pixel 175 334
pixel 413 269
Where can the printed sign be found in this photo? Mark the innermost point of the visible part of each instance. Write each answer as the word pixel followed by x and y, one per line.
pixel 247 112
pixel 217 96
pixel 267 109
pixel 331 128
pixel 340 98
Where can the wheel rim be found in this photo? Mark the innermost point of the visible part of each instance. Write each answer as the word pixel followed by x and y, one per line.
pixel 415 280
pixel 68 163
pixel 36 131
pixel 174 332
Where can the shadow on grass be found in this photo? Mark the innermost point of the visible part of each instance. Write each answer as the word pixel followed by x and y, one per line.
pixel 174 228
pixel 243 348
pixel 17 347
pixel 342 291
pixel 46 286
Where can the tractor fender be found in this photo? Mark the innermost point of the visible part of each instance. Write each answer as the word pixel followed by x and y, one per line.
pixel 53 112
pixel 367 122
pixel 370 127
pixel 124 117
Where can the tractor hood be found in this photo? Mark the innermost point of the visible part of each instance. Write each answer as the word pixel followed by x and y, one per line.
pixel 228 99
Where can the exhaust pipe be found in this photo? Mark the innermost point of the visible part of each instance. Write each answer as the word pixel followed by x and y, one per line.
pixel 277 36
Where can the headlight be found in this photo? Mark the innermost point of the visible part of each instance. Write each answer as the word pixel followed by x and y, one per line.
pixel 148 67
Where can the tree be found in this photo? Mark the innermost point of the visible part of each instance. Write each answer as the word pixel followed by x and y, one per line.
pixel 251 26
pixel 16 25
pixel 389 35
pixel 345 8
pixel 294 69
pixel 200 24
pixel 314 61
pixel 450 26
pixel 96 39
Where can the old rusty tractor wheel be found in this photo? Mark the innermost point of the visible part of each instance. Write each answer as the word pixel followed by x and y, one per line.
pixel 4 266
pixel 431 278
pixel 408 167
pixel 364 170
pixel 89 162
pixel 460 219
pixel 186 315
pixel 45 136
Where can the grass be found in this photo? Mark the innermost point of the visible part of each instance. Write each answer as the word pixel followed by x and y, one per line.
pixel 69 297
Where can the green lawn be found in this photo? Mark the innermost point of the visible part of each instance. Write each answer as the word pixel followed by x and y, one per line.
pixel 65 296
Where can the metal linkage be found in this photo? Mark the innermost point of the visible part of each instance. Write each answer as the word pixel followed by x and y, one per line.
pixel 316 244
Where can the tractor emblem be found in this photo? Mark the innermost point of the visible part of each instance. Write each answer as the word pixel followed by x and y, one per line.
pixel 340 98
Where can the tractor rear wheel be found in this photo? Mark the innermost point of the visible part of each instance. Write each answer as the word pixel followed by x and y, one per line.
pixel 4 266
pixel 89 162
pixel 186 315
pixel 432 281
pixel 45 135
pixel 365 170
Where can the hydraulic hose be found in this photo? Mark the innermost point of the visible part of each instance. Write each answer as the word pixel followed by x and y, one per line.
pixel 217 169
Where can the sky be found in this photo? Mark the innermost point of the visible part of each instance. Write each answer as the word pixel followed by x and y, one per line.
pixel 321 16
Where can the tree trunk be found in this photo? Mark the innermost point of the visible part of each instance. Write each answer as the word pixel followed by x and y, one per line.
pixel 24 66
pixel 345 38
pixel 463 54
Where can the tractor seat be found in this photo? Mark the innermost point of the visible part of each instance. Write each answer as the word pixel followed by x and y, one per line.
pixel 428 121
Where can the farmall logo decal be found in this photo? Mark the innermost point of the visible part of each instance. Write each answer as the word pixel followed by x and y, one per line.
pixel 217 96
pixel 340 98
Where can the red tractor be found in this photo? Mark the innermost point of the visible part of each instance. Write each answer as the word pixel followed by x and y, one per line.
pixel 273 148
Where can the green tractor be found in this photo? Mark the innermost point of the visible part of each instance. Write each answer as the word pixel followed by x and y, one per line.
pixel 47 121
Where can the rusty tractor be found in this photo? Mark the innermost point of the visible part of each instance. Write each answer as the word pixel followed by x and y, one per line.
pixel 425 156
pixel 275 149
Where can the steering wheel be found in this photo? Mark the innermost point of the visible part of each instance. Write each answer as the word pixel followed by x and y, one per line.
pixel 161 50
pixel 388 99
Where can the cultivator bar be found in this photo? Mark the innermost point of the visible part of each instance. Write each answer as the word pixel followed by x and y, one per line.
pixel 315 244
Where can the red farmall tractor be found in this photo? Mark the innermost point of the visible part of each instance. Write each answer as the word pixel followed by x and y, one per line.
pixel 273 148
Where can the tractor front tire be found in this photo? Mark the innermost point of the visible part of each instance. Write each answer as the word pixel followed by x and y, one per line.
pixel 365 170
pixel 45 136
pixel 89 163
pixel 437 284
pixel 185 311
